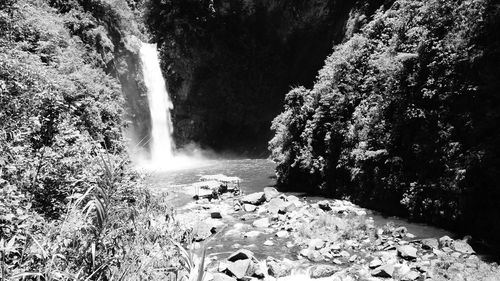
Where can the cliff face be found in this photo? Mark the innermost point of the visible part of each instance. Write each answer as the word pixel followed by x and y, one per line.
pixel 228 64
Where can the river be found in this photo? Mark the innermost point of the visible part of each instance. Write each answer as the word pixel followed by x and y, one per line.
pixel 255 175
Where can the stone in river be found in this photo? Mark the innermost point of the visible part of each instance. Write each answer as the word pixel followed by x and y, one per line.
pixel 410 276
pixel 462 247
pixel 252 234
pixel 216 215
pixel 324 205
pixel 268 243
pixel 385 271
pixel 275 205
pixel 261 223
pixel 375 263
pixel 282 234
pixel 222 277
pixel 407 252
pixel 241 254
pixel 316 243
pixel 323 270
pixel 249 207
pixel 430 243
pixel 256 198
pixel 277 268
pixel 445 241
pixel 270 193
pixel 239 268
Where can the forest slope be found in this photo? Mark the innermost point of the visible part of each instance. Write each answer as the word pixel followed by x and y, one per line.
pixel 404 117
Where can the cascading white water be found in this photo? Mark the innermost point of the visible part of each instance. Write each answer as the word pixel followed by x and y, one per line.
pixel 161 142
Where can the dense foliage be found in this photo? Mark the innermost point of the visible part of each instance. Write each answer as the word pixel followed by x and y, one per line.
pixel 70 207
pixel 404 116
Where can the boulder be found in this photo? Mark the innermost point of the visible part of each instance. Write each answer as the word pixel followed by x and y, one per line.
pixel 256 198
pixel 316 244
pixel 324 205
pixel 399 232
pixel 462 247
pixel 252 234
pixel 268 243
pixel 276 205
pixel 222 277
pixel 410 276
pixel 270 193
pixel 277 268
pixel 323 270
pixel 282 234
pixel 407 252
pixel 376 262
pixel 430 243
pixel 249 207
pixel 261 223
pixel 445 241
pixel 385 271
pixel 241 254
pixel 240 268
pixel 215 215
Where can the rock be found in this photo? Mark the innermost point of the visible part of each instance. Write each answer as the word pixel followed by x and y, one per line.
pixel 249 207
pixel 256 198
pixel 290 244
pixel 268 243
pixel 407 252
pixel 292 198
pixel 410 276
pixel 222 277
pixel 282 234
pixel 324 205
pixel 261 223
pixel 215 215
pixel 337 261
pixel 276 205
pixel 305 252
pixel 410 235
pixel 252 234
pixel 385 271
pixel 291 207
pixel 241 254
pixel 323 270
pixel 445 241
pixel 376 262
pixel 430 243
pixel 462 247
pixel 401 269
pixel 278 269
pixel 202 231
pixel 239 268
pixel 399 232
pixel 270 193
pixel 316 243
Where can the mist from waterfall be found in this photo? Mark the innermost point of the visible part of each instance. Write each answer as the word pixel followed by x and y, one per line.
pixel 162 154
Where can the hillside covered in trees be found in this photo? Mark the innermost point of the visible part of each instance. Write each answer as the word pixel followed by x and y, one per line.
pixel 71 208
pixel 404 117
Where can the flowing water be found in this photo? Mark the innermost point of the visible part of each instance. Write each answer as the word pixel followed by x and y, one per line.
pixel 170 170
pixel 257 174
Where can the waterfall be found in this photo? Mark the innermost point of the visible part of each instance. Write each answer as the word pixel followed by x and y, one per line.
pixel 161 142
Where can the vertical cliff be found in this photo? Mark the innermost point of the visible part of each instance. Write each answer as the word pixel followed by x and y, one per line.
pixel 228 64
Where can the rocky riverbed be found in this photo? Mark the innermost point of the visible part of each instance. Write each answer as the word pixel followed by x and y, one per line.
pixel 270 235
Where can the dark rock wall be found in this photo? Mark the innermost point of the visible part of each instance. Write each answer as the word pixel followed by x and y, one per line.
pixel 228 64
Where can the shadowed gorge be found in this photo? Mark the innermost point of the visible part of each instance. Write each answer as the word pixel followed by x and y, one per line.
pixel 229 63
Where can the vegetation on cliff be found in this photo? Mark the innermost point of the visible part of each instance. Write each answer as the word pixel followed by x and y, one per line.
pixel 404 116
pixel 70 207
